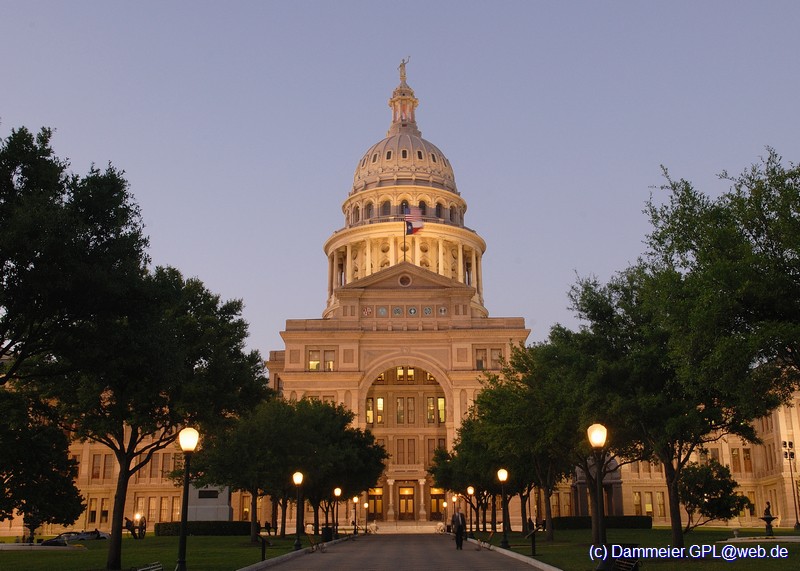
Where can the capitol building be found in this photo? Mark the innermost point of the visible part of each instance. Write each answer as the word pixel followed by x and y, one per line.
pixel 403 339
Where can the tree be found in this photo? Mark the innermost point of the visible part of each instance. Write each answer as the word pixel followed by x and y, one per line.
pixel 174 357
pixel 669 414
pixel 66 244
pixel 36 474
pixel 280 437
pixel 709 492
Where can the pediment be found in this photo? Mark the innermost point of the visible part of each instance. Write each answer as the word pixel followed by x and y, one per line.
pixel 406 277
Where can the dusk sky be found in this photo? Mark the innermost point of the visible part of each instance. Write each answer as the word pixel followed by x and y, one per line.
pixel 239 124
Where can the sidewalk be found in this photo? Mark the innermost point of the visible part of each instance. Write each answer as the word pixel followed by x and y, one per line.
pixel 402 552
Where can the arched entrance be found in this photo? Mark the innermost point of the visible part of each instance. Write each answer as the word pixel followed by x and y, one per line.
pixel 406 408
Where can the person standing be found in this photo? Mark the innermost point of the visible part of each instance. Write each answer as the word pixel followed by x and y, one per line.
pixel 459 525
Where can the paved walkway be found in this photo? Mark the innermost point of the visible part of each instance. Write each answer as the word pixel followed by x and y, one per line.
pixel 403 552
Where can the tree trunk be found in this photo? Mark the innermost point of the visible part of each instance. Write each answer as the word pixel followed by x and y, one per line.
pixel 674 504
pixel 550 533
pixel 114 557
pixel 494 513
pixel 523 502
pixel 254 525
pixel 284 502
pixel 274 515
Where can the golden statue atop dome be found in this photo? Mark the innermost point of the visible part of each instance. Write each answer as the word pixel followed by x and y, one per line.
pixel 402 68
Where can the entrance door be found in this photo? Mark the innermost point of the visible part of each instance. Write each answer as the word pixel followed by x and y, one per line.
pixel 406 503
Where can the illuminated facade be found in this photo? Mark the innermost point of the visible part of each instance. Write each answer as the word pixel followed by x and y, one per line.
pixel 404 335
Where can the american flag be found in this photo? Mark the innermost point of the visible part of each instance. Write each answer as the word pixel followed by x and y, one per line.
pixel 413 220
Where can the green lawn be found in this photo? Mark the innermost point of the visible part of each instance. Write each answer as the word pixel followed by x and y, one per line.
pixel 203 554
pixel 570 550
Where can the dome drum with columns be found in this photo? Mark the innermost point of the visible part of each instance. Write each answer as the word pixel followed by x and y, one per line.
pixel 400 173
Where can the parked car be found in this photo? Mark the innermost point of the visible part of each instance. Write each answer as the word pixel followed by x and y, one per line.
pixel 64 539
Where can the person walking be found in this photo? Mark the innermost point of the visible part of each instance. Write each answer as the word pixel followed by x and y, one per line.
pixel 459 525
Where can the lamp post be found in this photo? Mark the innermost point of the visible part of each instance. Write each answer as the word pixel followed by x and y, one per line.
pixel 355 515
pixel 297 478
pixel 336 492
pixel 502 475
pixel 444 505
pixel 366 515
pixel 597 438
pixel 187 438
pixel 470 492
pixel 789 455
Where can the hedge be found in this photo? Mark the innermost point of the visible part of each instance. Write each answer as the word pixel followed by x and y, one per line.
pixel 204 528
pixel 611 521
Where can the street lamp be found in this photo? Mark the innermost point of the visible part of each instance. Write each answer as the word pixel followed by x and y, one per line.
pixel 444 505
pixel 789 455
pixel 336 492
pixel 366 515
pixel 470 492
pixel 187 438
pixel 355 515
pixel 502 475
pixel 297 478
pixel 597 438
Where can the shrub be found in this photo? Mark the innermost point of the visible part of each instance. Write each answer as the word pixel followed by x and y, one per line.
pixel 204 528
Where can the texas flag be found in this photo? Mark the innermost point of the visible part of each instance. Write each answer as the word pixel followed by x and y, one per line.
pixel 413 220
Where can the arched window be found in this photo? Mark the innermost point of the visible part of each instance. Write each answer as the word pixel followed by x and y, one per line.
pixel 404 153
pixel 375 158
pixel 433 157
pixel 386 208
pixel 423 208
pixel 404 207
pixel 368 211
pixel 388 155
pixel 439 210
pixel 419 155
pixel 453 214
pixel 356 214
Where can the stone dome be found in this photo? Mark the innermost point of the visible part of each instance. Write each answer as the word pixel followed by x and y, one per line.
pixel 404 157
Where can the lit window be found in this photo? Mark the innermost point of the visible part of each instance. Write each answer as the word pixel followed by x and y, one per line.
pixel 401 376
pixel 313 360
pixel 440 408
pixel 329 360
pixel 379 409
pixel 370 411
pixel 410 375
pixel 480 359
pixel 497 358
pixel 430 410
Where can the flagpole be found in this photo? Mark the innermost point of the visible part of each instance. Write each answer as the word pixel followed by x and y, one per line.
pixel 405 233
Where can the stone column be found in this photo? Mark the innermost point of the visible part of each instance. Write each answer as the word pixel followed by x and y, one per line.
pixel 368 262
pixel 474 269
pixel 441 257
pixel 331 274
pixel 348 264
pixel 390 511
pixel 392 252
pixel 461 263
pixel 423 515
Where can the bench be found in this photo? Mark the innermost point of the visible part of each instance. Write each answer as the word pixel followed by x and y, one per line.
pixel 626 564
pixel 156 566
